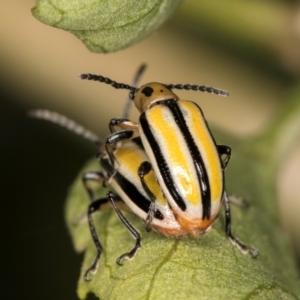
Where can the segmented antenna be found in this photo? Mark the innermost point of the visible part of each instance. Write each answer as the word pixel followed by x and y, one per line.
pixel 136 79
pixel 201 88
pixel 107 80
pixel 133 89
pixel 65 122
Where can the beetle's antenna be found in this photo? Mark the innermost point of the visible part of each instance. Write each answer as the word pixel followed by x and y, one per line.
pixel 136 79
pixel 65 122
pixel 106 80
pixel 201 88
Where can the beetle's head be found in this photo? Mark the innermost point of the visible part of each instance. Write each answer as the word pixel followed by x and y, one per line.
pixel 150 93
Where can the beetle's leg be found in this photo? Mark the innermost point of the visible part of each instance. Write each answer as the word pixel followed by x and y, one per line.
pixel 224 150
pixel 94 206
pixel 244 248
pixel 130 130
pixel 124 124
pixel 92 176
pixel 143 170
pixel 112 198
pixel 89 176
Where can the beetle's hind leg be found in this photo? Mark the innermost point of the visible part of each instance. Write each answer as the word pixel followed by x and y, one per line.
pixel 244 248
pixel 94 206
pixel 137 236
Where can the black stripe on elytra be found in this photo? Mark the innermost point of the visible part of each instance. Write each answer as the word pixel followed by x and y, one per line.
pixel 161 163
pixel 130 190
pixel 196 156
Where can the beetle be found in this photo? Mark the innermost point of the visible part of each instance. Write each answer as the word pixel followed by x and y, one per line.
pixel 188 164
pixel 127 167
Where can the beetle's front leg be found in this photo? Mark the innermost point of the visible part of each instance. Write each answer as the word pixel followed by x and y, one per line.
pixel 130 130
pixel 124 124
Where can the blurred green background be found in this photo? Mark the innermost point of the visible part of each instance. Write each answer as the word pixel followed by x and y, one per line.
pixel 251 49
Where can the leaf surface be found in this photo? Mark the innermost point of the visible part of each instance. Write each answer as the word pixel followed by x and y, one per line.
pixel 105 25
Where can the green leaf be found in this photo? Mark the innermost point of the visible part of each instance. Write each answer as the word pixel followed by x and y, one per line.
pixel 105 25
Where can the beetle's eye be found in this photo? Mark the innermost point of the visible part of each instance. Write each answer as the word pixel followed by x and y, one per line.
pixel 148 91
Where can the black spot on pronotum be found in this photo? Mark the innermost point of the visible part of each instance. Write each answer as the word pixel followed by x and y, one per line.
pixel 148 91
pixel 161 91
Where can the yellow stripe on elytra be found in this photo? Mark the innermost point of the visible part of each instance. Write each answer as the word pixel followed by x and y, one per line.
pixel 203 139
pixel 154 187
pixel 173 147
pixel 130 157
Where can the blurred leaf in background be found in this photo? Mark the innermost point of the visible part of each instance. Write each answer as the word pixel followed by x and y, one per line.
pixel 264 32
pixel 107 25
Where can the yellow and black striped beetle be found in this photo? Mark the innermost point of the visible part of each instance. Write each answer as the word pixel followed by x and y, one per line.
pixel 187 162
